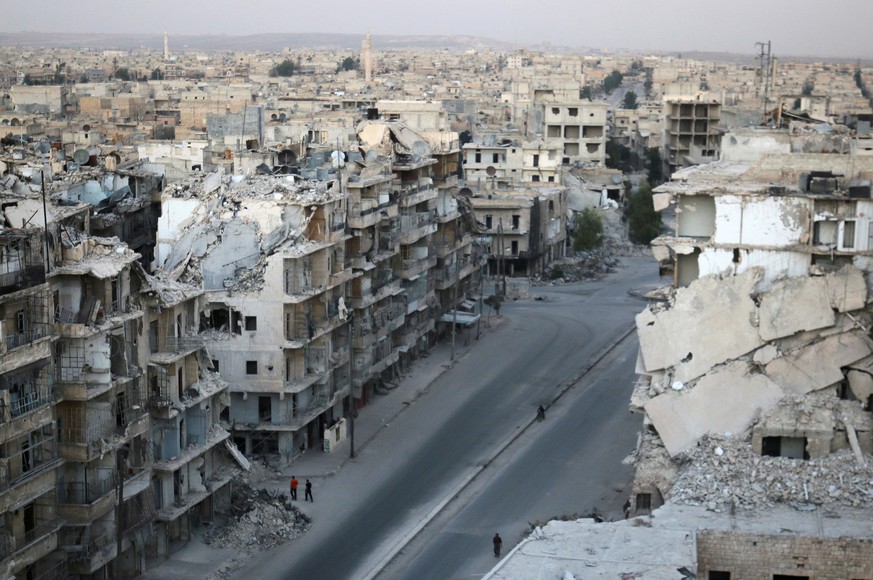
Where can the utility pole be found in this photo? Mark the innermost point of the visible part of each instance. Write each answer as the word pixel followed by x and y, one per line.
pixel 455 303
pixel 502 256
pixel 481 291
pixel 45 224
pixel 351 391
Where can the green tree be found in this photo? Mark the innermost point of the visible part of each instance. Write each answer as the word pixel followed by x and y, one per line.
pixel 157 75
pixel 644 223
pixel 283 69
pixel 612 81
pixel 349 63
pixel 122 74
pixel 588 230
pixel 655 167
pixel 629 101
pixel 585 93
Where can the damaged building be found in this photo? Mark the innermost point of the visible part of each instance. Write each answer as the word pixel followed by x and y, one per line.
pixel 754 366
pixel 186 399
pixel 89 491
pixel 29 455
pixel 340 271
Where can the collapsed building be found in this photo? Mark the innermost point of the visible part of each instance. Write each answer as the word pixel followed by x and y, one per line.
pixel 315 290
pixel 754 366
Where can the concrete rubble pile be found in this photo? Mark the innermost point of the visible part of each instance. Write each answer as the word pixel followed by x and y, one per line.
pixel 258 520
pixel 237 222
pixel 723 472
pixel 730 367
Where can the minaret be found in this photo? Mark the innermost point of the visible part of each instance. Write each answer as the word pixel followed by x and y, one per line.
pixel 166 47
pixel 367 49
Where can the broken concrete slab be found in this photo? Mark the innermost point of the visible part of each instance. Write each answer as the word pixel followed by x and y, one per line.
pixel 795 305
pixel 661 201
pixel 861 384
pixel 818 365
pixel 847 289
pixel 710 322
pixel 726 400
pixel 765 354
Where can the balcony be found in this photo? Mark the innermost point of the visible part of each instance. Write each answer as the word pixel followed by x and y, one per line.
pixel 27 277
pixel 87 554
pixel 82 502
pixel 28 471
pixel 411 268
pixel 415 226
pixel 33 544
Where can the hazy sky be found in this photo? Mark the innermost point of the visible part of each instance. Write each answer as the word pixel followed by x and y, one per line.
pixel 795 27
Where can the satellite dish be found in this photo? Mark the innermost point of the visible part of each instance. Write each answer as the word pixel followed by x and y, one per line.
pixel 337 158
pixel 466 191
pixel 81 156
pixel 616 179
pixel 421 148
pixel 490 171
pixel 371 156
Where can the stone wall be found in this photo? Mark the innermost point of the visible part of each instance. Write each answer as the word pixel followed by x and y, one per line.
pixel 751 557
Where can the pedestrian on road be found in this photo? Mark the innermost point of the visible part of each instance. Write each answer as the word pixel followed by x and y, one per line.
pixel 541 413
pixel 294 484
pixel 308 495
pixel 498 543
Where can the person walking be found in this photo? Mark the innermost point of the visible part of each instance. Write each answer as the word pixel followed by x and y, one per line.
pixel 294 484
pixel 498 543
pixel 541 413
pixel 308 495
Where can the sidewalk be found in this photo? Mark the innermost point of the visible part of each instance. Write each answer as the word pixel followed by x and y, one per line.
pixel 372 419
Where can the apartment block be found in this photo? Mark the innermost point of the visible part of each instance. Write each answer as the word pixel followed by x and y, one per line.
pixel 29 458
pixel 691 132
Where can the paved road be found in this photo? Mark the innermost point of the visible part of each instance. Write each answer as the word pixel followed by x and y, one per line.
pixel 569 464
pixel 469 414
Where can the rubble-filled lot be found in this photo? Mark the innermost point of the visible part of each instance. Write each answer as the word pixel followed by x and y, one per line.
pixel 258 520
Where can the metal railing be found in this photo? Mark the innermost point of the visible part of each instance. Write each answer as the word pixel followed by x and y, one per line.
pixel 30 401
pixel 81 493
pixel 90 549
pixel 25 463
pixel 23 278
pixel 19 339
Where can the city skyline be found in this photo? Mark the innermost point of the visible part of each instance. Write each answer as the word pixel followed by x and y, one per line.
pixel 796 28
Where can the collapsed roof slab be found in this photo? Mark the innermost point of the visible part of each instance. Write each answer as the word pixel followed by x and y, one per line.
pixel 724 401
pixel 710 322
pixel 847 289
pixel 795 305
pixel 818 365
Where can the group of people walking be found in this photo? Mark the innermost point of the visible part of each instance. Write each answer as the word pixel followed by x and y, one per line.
pixel 308 487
